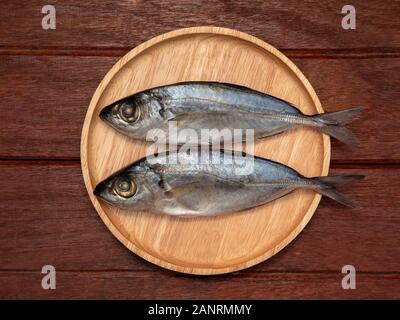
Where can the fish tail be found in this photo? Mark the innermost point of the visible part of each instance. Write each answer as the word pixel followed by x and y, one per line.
pixel 332 123
pixel 327 187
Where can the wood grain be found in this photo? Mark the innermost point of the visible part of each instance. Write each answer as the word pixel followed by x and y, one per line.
pixel 55 223
pixel 35 103
pixel 213 244
pixel 127 23
pixel 167 285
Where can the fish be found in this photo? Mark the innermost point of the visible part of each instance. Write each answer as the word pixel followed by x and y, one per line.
pixel 196 107
pixel 196 183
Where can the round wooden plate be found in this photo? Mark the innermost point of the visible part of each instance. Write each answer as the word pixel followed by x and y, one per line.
pixel 206 245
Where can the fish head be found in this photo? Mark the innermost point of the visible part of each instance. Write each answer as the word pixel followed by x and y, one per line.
pixel 126 189
pixel 133 116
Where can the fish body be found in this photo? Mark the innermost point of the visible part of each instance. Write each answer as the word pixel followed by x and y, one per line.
pixel 194 184
pixel 196 107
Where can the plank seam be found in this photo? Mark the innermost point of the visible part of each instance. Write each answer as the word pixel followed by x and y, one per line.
pixel 356 53
pixel 235 274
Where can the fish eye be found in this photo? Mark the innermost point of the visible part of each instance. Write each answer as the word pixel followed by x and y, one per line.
pixel 124 187
pixel 129 113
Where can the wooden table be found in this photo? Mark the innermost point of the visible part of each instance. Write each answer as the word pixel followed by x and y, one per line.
pixel 47 78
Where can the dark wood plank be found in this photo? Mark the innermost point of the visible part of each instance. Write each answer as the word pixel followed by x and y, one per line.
pixel 44 101
pixel 168 285
pixel 285 24
pixel 47 218
pixel 365 83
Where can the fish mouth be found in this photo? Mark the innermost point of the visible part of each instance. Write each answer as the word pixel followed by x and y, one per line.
pixel 105 113
pixel 100 189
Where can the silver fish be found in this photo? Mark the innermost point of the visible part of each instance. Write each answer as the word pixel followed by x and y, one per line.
pixel 208 105
pixel 194 184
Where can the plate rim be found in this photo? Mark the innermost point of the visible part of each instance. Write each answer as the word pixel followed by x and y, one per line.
pixel 85 135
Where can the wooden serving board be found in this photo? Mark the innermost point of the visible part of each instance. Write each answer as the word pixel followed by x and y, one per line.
pixel 206 245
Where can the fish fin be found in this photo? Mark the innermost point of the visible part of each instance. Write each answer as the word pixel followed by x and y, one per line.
pixel 277 130
pixel 181 118
pixel 327 187
pixel 342 134
pixel 218 179
pixel 180 190
pixel 164 185
pixel 332 123
pixel 168 114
